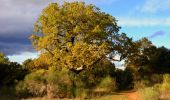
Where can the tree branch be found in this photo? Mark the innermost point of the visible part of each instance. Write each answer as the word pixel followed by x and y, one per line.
pixel 80 69
pixel 49 51
pixel 119 60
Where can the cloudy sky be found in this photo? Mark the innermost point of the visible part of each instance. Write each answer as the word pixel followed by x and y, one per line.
pixel 138 18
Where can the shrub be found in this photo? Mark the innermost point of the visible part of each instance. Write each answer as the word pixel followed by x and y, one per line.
pixel 36 82
pixel 108 84
pixel 158 91
pixel 11 73
pixel 81 92
pixel 59 83
pixel 149 93
pixel 166 82
pixel 21 90
pixel 52 82
pixel 165 87
pixel 8 93
pixel 156 78
pixel 124 79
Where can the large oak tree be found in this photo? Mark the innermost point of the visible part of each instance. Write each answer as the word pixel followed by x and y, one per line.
pixel 77 36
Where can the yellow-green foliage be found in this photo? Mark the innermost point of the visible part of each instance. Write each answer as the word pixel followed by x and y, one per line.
pixel 107 85
pixel 166 82
pixel 165 88
pixel 149 93
pixel 158 91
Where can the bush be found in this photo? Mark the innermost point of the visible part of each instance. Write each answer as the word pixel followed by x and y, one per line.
pixel 8 93
pixel 139 85
pixel 21 90
pixel 108 84
pixel 158 91
pixel 96 74
pixel 52 82
pixel 166 82
pixel 152 79
pixel 11 73
pixel 36 82
pixel 124 79
pixel 165 88
pixel 59 83
pixel 149 93
pixel 81 92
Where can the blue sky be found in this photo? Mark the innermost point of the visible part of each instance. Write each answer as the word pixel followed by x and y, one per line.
pixel 138 18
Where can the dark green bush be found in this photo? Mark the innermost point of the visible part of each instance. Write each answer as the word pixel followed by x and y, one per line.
pixel 124 79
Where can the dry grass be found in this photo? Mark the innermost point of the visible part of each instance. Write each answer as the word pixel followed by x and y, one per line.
pixel 126 95
pixel 113 97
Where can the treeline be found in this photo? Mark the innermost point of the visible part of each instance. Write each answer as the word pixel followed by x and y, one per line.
pixel 78 47
pixel 34 79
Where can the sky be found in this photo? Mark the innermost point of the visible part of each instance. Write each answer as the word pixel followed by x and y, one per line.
pixel 137 18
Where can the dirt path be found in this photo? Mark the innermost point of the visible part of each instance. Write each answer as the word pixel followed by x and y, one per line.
pixel 132 95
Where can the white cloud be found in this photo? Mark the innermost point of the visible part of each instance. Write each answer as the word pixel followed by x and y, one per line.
pixel 19 15
pixel 139 22
pixel 152 6
pixel 149 6
pixel 22 57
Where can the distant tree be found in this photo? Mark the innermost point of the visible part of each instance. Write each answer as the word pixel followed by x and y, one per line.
pixel 160 60
pixel 140 57
pixel 149 61
pixel 140 53
pixel 77 36
pixel 10 72
pixel 27 64
pixel 3 58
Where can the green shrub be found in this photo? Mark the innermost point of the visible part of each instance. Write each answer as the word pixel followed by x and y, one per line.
pixel 108 84
pixel 149 93
pixel 21 89
pixel 36 82
pixel 52 82
pixel 60 82
pixel 81 93
pixel 156 78
pixel 124 79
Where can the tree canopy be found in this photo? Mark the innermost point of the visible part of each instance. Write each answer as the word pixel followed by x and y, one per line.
pixel 76 35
